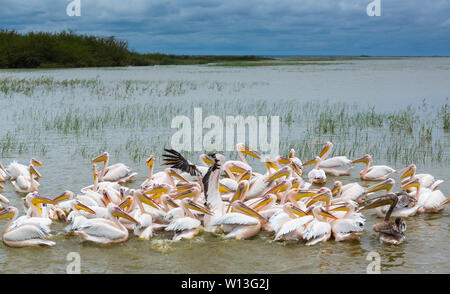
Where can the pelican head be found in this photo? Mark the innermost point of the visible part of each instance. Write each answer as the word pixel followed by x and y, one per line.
pixel 188 203
pixel 389 199
pixel 283 160
pixel 101 158
pixel 66 195
pixel 8 212
pixel 240 193
pixel 413 183
pixel 150 161
pixel 245 176
pixel 280 187
pixel 38 199
pixel 174 174
pixel 387 185
pixel 284 172
pixel 336 188
pixel 117 212
pixel 365 159
pixel 80 206
pixel 270 164
pixel 241 147
pixel 296 167
pixel 328 146
pixel 316 159
pixel 126 203
pixel 36 162
pixel 408 171
pixel 292 209
pixel 33 171
pixel 206 159
pixel 147 200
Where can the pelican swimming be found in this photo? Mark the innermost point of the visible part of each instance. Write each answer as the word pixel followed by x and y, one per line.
pixel 118 172
pixel 319 229
pixel 430 201
pixel 188 226
pixel 349 226
pixel 23 235
pixel 388 232
pixel 336 166
pixel 23 184
pixel 356 192
pixel 373 173
pixel 426 180
pixel 316 175
pixel 105 231
pixel 15 169
pixel 292 227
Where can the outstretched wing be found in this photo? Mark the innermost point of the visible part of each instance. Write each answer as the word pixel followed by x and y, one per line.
pixel 175 160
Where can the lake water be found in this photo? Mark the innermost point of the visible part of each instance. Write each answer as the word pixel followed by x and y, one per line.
pixel 64 117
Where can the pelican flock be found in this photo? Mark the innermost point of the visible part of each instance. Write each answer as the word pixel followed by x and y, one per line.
pixel 226 198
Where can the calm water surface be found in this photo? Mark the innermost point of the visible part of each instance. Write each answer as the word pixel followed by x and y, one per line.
pixel 386 85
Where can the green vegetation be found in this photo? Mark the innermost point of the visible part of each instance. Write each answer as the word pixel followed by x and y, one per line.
pixel 68 49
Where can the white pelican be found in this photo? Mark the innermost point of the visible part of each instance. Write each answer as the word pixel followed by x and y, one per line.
pixel 356 192
pixel 316 175
pixel 430 201
pixel 242 224
pixel 35 214
pixel 336 166
pixel 105 231
pixel 373 173
pixel 3 174
pixel 118 172
pixel 24 235
pixel 349 226
pixel 319 229
pixel 290 228
pixel 23 184
pixel 389 232
pixel 235 166
pixel 187 227
pixel 15 169
pixel 426 180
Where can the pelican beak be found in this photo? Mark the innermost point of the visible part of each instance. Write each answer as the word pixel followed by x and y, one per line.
pixel 224 189
pixel 361 159
pixel 304 194
pixel 195 206
pixel 240 193
pixel 340 208
pixel 324 150
pixel 270 164
pixel 297 169
pixel 150 161
pixel 147 200
pixel 297 211
pixel 266 200
pixel 81 206
pixel 314 160
pixel 235 168
pixel 295 183
pixel 206 159
pixel 407 172
pixel 64 196
pixel 36 162
pixel 126 203
pixel 377 203
pixel 246 150
pixel 6 213
pixel 282 186
pixel 184 194
pixel 240 206
pixel 245 176
pixel 101 158
pixel 326 214
pixel 35 172
pixel 38 199
pixel 336 188
pixel 284 172
pixel 173 173
pixel 120 213
pixel 384 185
pixel 283 160
pixel 170 202
pixel 414 183
pixel 446 201
pixel 158 189
pixel 325 197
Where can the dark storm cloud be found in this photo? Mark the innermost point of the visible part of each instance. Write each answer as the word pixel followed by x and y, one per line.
pixel 406 27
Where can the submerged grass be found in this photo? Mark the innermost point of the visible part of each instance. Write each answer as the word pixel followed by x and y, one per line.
pixel 133 118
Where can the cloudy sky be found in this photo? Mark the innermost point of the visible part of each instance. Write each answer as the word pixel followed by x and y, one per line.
pixel 261 27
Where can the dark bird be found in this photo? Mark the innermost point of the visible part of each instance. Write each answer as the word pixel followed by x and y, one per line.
pixel 388 232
